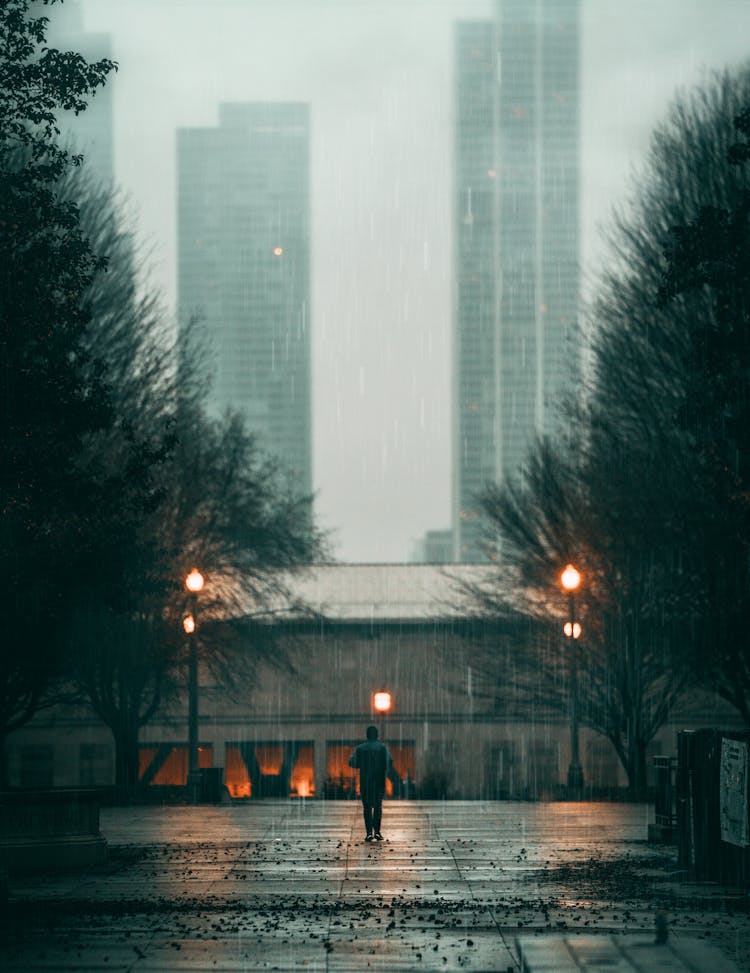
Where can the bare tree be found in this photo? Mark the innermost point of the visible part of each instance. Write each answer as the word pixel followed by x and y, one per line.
pixel 710 256
pixel 177 490
pixel 669 381
pixel 625 682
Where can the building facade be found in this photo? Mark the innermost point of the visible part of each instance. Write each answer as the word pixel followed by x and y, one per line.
pixel 243 215
pixel 516 243
pixel 395 629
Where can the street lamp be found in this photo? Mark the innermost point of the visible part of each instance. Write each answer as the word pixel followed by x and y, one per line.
pixel 381 702
pixel 194 581
pixel 571 581
pixel 194 584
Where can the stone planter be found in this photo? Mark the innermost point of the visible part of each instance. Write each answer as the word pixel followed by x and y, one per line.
pixel 45 830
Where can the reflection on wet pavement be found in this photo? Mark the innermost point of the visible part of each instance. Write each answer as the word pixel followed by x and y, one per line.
pixel 291 885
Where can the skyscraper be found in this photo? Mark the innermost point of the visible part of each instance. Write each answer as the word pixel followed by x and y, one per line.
pixel 516 242
pixel 475 349
pixel 91 132
pixel 244 267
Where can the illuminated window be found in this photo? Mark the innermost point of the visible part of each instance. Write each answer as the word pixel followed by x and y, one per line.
pixel 403 764
pixel 173 769
pixel 236 775
pixel 270 757
pixel 303 775
pixel 341 779
pixel 268 765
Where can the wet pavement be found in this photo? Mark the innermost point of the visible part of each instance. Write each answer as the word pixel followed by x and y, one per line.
pixel 291 885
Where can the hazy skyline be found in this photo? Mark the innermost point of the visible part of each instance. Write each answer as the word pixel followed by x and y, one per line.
pixel 379 77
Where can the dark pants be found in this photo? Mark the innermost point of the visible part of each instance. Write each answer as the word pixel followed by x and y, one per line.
pixel 372 809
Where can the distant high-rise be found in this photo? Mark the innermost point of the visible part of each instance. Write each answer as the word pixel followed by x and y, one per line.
pixel 243 215
pixel 91 132
pixel 434 547
pixel 475 349
pixel 516 242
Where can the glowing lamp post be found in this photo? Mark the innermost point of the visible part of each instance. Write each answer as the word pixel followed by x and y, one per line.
pixel 382 702
pixel 194 584
pixel 194 581
pixel 571 581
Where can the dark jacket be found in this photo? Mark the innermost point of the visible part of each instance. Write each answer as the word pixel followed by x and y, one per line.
pixel 373 759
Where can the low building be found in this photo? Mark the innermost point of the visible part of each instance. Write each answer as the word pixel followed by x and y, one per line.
pixel 398 630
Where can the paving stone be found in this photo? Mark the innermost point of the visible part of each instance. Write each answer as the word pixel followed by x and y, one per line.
pixel 546 956
pixel 405 951
pixel 238 954
pixel 624 954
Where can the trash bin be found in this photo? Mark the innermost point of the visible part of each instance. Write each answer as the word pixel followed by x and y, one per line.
pixel 212 782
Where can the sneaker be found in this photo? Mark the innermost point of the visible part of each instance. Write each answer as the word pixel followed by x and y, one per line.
pixel 378 836
pixel 368 837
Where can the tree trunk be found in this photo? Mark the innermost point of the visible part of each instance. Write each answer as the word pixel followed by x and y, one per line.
pixel 637 770
pixel 126 765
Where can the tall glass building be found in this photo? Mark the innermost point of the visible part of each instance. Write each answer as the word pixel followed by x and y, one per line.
pixel 516 242
pixel 243 215
pixel 90 132
pixel 476 287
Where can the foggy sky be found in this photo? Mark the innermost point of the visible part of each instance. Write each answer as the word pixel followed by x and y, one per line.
pixel 378 76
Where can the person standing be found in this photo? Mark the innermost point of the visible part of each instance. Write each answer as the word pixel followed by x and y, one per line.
pixel 373 760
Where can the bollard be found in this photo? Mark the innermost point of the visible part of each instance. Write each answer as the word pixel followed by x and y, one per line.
pixel 662 927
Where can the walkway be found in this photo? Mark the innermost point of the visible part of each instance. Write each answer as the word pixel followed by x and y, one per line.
pixel 284 885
